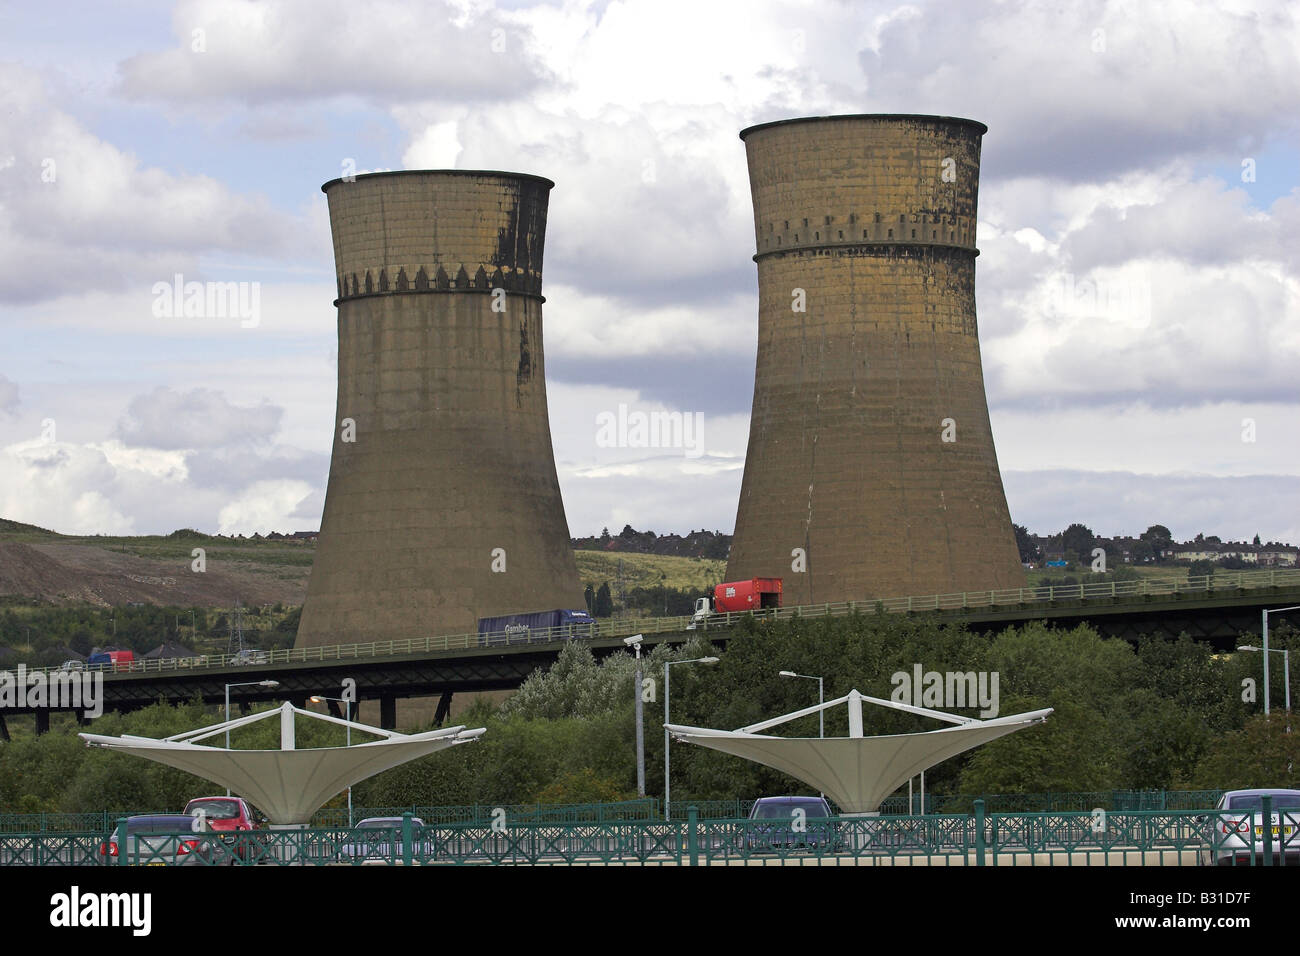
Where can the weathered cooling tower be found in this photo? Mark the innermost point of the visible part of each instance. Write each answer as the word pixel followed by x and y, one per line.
pixel 443 504
pixel 869 445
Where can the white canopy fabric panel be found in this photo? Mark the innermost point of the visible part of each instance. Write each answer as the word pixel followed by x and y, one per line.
pixel 858 772
pixel 288 785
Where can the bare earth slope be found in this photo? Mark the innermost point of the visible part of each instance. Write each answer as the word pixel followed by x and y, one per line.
pixel 36 564
pixel 73 572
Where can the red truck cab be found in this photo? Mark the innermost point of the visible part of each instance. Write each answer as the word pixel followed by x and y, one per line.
pixel 755 594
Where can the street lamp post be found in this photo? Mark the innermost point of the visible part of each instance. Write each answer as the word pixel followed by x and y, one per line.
pixel 1286 670
pixel 347 715
pixel 667 694
pixel 1264 615
pixel 634 642
pixel 247 683
pixel 821 699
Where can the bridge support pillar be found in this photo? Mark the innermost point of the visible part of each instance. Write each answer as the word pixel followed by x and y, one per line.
pixel 82 719
pixel 443 709
pixel 42 722
pixel 4 729
pixel 387 712
pixel 333 706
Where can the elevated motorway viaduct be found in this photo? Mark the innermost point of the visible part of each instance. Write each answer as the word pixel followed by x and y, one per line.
pixel 1218 617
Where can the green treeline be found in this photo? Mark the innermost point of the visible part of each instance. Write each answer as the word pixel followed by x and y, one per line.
pixel 42 635
pixel 1163 714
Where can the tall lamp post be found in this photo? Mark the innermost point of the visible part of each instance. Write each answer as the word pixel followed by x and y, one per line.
pixel 1264 615
pixel 248 683
pixel 347 715
pixel 634 642
pixel 1286 676
pixel 821 699
pixel 667 694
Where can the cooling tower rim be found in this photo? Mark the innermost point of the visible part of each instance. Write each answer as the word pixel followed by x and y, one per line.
pixel 959 120
pixel 549 184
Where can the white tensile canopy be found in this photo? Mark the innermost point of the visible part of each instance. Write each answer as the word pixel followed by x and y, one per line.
pixel 858 772
pixel 288 784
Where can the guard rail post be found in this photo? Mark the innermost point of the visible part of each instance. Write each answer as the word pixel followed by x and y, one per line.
pixel 979 832
pixel 692 837
pixel 406 839
pixel 121 842
pixel 1266 805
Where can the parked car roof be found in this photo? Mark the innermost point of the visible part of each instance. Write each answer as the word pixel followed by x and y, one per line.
pixel 159 823
pixel 375 823
pixel 790 799
pixel 1284 799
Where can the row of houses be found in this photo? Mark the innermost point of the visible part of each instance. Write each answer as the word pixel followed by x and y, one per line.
pixel 1266 556
pixel 1271 555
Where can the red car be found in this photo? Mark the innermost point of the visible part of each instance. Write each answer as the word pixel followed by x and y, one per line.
pixel 226 815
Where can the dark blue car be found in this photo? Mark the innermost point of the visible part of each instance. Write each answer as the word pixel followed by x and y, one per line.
pixel 790 823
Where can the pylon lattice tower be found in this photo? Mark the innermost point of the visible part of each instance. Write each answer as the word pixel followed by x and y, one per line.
pixel 871 459
pixel 443 504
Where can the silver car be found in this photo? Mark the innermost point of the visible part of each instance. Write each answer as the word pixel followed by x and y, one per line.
pixel 379 840
pixel 1234 834
pixel 163 839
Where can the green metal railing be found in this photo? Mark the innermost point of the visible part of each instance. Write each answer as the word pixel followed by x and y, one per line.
pixel 100 821
pixel 646 808
pixel 957 601
pixel 1121 838
pixel 649 808
pixel 998 802
pixel 485 814
pixel 1079 801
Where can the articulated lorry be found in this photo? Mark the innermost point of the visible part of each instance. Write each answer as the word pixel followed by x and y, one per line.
pixel 756 594
pixel 535 626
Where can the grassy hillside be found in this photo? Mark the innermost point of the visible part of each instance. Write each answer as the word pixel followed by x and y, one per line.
pixel 1175 572
pixel 649 571
pixel 105 571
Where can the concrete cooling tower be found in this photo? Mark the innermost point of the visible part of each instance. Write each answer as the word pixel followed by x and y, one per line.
pixel 443 504
pixel 870 457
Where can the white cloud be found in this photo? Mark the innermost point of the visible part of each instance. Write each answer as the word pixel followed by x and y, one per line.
pixel 165 465
pixel 631 482
pixel 594 326
pixel 87 483
pixel 1082 90
pixel 1207 440
pixel 438 147
pixel 263 507
pixel 1132 309
pixel 66 487
pixel 9 400
pixel 199 418
pixel 81 215
pixel 648 207
pixel 285 310
pixel 293 50
pixel 1120 502
pixel 1172 291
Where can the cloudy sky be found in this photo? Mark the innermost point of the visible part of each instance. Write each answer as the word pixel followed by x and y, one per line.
pixel 1138 285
